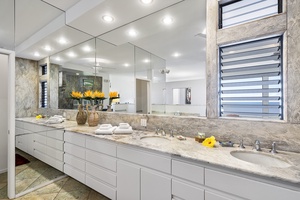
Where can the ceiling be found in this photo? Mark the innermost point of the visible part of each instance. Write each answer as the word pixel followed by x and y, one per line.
pixel 41 24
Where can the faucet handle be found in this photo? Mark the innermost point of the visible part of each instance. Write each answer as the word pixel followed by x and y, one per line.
pixel 242 144
pixel 157 130
pixel 171 133
pixel 257 145
pixel 273 150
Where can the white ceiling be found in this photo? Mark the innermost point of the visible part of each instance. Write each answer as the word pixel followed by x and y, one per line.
pixel 38 24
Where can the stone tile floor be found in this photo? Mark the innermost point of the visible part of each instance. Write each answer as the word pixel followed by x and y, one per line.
pixel 35 173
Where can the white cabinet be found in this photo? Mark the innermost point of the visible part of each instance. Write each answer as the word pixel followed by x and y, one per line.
pixel 212 196
pixel 187 191
pixel 155 185
pixel 128 181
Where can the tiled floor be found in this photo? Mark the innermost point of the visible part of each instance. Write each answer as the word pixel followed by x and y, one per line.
pixel 36 172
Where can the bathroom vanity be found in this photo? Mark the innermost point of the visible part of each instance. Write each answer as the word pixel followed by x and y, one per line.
pixel 125 167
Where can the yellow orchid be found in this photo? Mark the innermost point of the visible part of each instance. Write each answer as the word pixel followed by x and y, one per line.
pixel 98 94
pixel 88 94
pixel 38 116
pixel 113 94
pixel 76 95
pixel 209 142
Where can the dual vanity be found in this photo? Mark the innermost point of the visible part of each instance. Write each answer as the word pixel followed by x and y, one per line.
pixel 147 167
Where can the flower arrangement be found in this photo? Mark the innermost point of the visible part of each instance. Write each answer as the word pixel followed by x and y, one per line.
pixel 113 95
pixel 209 142
pixel 76 95
pixel 89 95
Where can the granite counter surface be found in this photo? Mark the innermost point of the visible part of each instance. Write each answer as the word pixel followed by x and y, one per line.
pixel 190 149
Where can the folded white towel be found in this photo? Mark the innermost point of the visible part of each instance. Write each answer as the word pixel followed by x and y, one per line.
pixel 105 132
pixel 124 126
pixel 55 120
pixel 105 126
pixel 123 131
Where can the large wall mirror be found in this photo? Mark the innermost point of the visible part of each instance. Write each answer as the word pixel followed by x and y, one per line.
pixel 163 54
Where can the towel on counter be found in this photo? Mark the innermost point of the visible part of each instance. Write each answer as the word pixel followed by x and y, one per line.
pixel 56 119
pixel 124 126
pixel 105 126
pixel 108 131
pixel 120 130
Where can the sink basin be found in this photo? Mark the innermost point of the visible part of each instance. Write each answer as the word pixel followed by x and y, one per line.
pixel 155 139
pixel 260 159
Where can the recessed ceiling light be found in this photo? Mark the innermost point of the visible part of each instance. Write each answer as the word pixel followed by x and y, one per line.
pixel 167 20
pixel 132 33
pixel 146 1
pixel 36 54
pixel 62 41
pixel 71 54
pixel 87 49
pixel 146 60
pixel 176 54
pixel 57 59
pixel 77 74
pixel 48 48
pixel 126 65
pixel 107 18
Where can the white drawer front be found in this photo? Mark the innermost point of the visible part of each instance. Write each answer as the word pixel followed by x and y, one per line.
pixel 19 131
pixel 40 156
pixel 30 127
pixel 212 196
pixel 56 154
pixel 39 147
pixel 188 171
pixel 249 189
pixel 74 161
pixel 39 138
pixel 101 146
pixel 74 138
pixel 56 134
pixel 20 143
pixel 55 163
pixel 185 191
pixel 146 159
pixel 75 173
pixel 19 124
pixel 101 160
pixel 41 128
pixel 56 144
pixel 101 174
pixel 101 187
pixel 74 150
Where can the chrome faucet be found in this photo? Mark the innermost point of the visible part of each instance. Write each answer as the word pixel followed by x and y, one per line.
pixel 273 150
pixel 242 144
pixel 171 133
pixel 157 130
pixel 257 145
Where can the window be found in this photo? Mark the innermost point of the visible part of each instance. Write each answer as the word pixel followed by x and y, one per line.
pixel 44 94
pixel 251 79
pixel 44 69
pixel 233 12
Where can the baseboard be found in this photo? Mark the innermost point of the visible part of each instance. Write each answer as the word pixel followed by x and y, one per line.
pixel 3 170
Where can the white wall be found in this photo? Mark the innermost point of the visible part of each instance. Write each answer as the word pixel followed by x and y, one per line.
pixel 124 84
pixel 4 111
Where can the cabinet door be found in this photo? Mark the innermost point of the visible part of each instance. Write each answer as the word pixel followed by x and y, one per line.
pixel 155 186
pixel 128 181
pixel 212 196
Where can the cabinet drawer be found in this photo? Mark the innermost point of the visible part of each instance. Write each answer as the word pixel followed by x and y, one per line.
pixel 101 146
pixel 101 160
pixel 212 196
pixel 39 147
pixel 74 138
pixel 20 143
pixel 55 163
pixel 149 160
pixel 186 191
pixel 74 173
pixel 101 187
pixel 74 161
pixel 19 124
pixel 29 127
pixel 188 171
pixel 56 144
pixel 74 150
pixel 247 188
pixel 40 128
pixel 101 174
pixel 39 138
pixel 19 131
pixel 39 155
pixel 56 134
pixel 56 154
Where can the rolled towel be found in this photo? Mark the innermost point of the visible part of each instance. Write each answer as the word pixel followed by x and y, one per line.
pixel 105 132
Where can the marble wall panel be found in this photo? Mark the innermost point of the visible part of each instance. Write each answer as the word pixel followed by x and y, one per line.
pixel 26 87
pixel 53 86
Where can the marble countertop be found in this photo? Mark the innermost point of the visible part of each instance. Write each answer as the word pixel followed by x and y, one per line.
pixel 190 149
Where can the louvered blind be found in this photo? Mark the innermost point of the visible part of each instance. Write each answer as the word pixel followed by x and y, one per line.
pixel 44 94
pixel 240 11
pixel 251 79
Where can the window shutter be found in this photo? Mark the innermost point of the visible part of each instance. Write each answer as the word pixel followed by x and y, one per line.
pixel 44 94
pixel 251 79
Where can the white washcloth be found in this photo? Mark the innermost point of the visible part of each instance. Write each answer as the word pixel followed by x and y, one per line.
pixel 105 126
pixel 124 126
pixel 106 131
pixel 56 119
pixel 123 131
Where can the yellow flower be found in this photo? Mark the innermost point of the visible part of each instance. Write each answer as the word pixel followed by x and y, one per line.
pixel 98 94
pixel 76 95
pixel 89 94
pixel 113 94
pixel 38 116
pixel 209 142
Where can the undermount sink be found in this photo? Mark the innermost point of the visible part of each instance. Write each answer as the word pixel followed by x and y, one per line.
pixel 260 159
pixel 155 139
